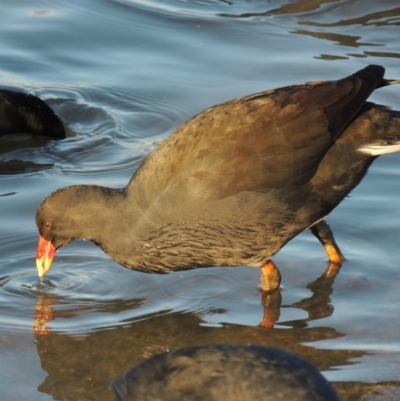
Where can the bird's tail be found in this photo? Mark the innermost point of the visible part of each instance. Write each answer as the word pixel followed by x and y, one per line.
pixel 387 82
pixel 384 129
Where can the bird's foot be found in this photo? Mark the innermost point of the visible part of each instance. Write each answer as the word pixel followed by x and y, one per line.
pixel 270 277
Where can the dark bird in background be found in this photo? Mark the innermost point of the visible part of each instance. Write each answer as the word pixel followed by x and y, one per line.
pixel 22 113
pixel 235 183
pixel 224 372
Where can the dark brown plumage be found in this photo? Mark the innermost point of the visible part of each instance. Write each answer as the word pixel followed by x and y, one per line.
pixel 224 372
pixel 22 113
pixel 235 183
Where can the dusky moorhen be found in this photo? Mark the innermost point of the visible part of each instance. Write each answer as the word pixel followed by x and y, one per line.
pixel 233 184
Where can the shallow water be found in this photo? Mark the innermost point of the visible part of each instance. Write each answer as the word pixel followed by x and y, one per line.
pixel 122 75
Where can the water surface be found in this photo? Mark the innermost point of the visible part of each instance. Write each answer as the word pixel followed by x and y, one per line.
pixel 124 74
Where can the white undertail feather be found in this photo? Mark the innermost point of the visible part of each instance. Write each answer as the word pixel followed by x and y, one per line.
pixel 377 150
pixel 393 81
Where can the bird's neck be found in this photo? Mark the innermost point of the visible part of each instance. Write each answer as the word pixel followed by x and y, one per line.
pixel 112 220
pixel 94 212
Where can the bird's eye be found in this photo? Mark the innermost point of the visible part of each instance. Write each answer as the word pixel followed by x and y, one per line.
pixel 47 226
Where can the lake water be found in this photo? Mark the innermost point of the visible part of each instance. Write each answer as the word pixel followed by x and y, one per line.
pixel 124 74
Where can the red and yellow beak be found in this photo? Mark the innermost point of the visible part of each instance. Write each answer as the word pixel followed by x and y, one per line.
pixel 44 256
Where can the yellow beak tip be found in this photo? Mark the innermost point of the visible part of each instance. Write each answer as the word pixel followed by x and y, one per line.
pixel 43 266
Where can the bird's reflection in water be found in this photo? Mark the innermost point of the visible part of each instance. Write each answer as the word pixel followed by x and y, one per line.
pixel 44 313
pixel 44 307
pixel 319 305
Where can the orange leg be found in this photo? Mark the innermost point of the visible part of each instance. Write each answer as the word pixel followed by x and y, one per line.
pixel 270 277
pixel 324 234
